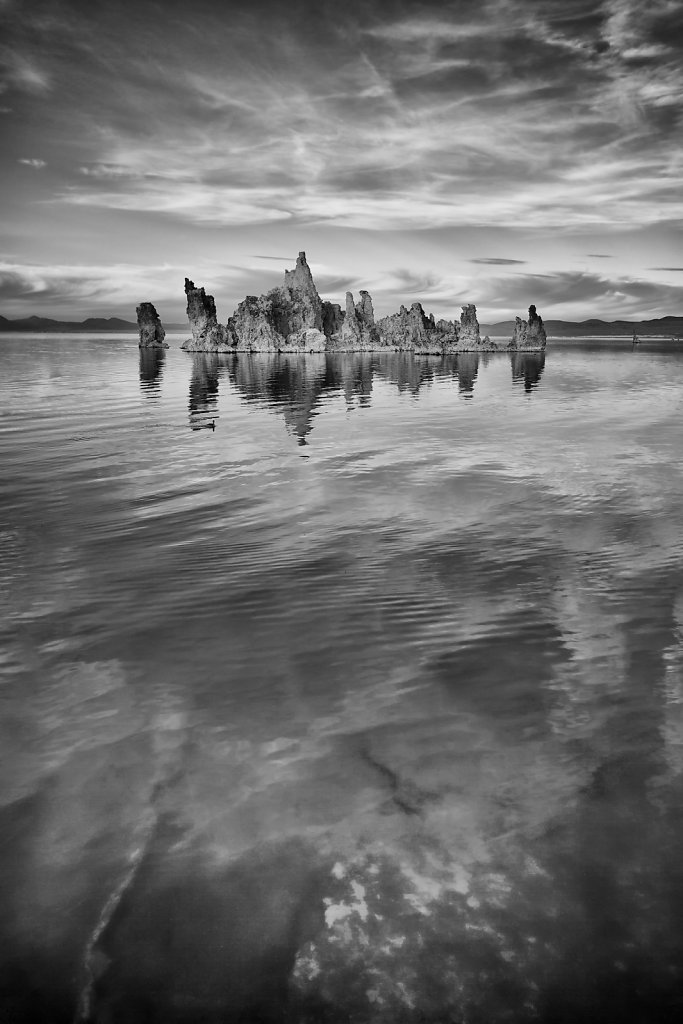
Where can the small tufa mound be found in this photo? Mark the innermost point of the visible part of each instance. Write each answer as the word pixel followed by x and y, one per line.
pixel 207 334
pixel 151 329
pixel 528 336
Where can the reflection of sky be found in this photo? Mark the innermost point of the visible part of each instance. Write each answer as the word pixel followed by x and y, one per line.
pixel 441 656
pixel 501 153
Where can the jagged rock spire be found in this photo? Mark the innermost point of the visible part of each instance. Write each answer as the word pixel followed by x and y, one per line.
pixel 151 329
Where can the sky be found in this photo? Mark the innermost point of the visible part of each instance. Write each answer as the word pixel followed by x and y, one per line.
pixel 500 152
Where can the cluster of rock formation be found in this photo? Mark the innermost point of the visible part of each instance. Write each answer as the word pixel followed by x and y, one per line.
pixel 293 318
pixel 151 330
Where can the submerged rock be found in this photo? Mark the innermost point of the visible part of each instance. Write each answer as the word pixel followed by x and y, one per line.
pixel 207 334
pixel 528 336
pixel 151 329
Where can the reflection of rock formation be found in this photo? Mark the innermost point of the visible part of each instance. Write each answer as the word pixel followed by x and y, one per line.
pixel 356 372
pixel 527 367
pixel 207 333
pixel 151 369
pixel 297 384
pixel 151 330
pixel 207 369
pixel 292 383
pixel 467 368
pixel 407 373
pixel 529 336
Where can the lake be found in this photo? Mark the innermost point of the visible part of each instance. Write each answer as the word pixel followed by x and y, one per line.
pixel 340 688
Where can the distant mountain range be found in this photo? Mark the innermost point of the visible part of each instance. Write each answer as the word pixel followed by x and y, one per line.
pixel 667 326
pixel 93 324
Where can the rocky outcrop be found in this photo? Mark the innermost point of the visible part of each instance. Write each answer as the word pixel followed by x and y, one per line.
pixel 151 329
pixel 358 332
pixel 286 319
pixel 469 338
pixel 333 318
pixel 293 318
pixel 253 325
pixel 528 336
pixel 412 330
pixel 302 304
pixel 207 334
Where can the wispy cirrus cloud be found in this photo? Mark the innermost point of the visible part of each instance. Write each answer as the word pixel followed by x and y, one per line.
pixel 513 118
pixel 568 294
pixel 495 261
pixel 109 287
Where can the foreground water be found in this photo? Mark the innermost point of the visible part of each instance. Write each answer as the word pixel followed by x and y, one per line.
pixel 364 705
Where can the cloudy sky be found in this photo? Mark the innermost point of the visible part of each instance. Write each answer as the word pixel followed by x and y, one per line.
pixel 495 151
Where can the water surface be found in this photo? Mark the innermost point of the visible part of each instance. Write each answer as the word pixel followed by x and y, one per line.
pixel 340 688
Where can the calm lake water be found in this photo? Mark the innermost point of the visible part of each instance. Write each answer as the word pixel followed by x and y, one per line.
pixel 364 706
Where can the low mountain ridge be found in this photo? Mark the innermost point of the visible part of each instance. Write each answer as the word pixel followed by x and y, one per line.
pixel 666 326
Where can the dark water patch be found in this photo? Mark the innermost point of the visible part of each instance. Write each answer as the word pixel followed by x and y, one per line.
pixel 509 684
pixel 438 662
pixel 527 369
pixel 190 941
pixel 151 371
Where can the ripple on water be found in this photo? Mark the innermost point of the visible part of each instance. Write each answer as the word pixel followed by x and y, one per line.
pixel 389 733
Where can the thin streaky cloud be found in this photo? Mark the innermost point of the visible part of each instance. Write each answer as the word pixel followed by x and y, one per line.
pixel 32 162
pixel 667 269
pixel 495 261
pixel 402 138
pixel 282 259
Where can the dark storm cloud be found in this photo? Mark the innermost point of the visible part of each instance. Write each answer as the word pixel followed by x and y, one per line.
pixel 495 261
